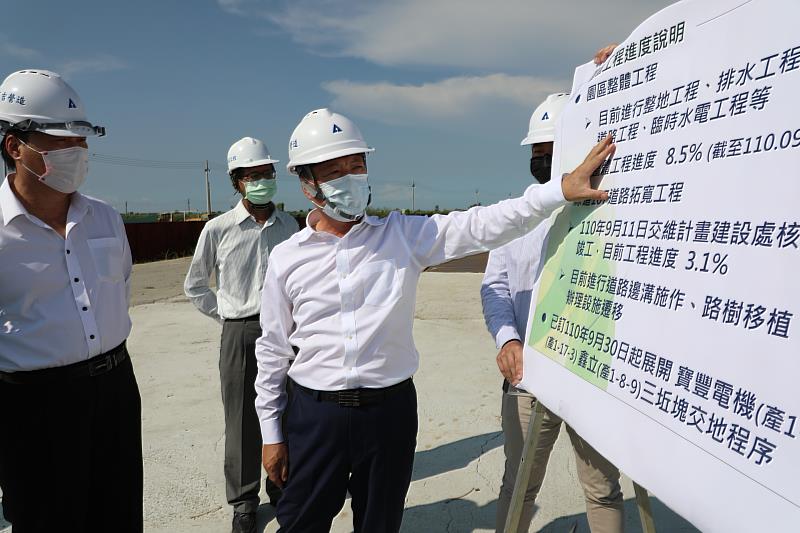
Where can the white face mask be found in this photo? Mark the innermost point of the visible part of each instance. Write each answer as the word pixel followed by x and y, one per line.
pixel 347 197
pixel 64 170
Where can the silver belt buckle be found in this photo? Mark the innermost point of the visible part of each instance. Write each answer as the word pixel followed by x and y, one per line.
pixel 350 398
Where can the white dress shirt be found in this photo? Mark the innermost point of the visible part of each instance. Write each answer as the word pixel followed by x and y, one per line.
pixel 62 300
pixel 235 249
pixel 508 283
pixel 347 304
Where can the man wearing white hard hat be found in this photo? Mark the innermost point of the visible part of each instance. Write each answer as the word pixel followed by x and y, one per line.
pixel 506 297
pixel 340 294
pixel 71 444
pixel 234 248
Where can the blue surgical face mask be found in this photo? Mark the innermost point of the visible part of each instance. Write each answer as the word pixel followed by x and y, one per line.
pixel 347 197
pixel 260 192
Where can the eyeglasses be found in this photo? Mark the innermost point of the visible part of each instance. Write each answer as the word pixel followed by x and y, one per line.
pixel 252 176
pixel 78 127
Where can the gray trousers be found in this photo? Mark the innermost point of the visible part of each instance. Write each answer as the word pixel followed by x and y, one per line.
pixel 237 372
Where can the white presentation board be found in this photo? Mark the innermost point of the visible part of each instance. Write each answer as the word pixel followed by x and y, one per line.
pixel 666 325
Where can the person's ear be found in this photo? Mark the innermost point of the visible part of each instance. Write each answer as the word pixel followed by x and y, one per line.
pixel 308 189
pixel 13 147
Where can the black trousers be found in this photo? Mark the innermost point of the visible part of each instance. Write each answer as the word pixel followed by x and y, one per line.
pixel 71 454
pixel 368 450
pixel 237 372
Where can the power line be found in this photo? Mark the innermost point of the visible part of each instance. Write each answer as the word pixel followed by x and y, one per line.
pixel 152 163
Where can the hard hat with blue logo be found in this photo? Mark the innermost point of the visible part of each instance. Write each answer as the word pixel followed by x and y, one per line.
pixel 542 128
pixel 323 135
pixel 40 100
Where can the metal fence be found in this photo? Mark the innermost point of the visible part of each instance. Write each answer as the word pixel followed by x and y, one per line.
pixel 154 241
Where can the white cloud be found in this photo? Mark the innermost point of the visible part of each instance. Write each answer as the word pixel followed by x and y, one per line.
pixel 449 99
pixel 235 7
pixel 97 63
pixel 513 34
pixel 16 51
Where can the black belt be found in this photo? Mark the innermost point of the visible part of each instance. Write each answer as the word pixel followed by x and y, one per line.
pixel 353 397
pixel 97 365
pixel 250 318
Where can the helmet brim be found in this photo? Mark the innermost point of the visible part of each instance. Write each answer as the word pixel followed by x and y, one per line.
pixel 536 139
pixel 292 166
pixel 256 163
pixel 81 129
pixel 67 133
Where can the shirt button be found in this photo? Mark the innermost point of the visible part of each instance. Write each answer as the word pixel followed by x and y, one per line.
pixel 76 280
pixel 68 251
pixel 91 337
pixel 85 308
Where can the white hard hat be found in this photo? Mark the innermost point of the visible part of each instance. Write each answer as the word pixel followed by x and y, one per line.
pixel 321 136
pixel 248 152
pixel 542 128
pixel 40 100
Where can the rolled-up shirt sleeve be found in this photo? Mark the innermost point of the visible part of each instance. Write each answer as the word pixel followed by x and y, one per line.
pixel 441 238
pixel 498 306
pixel 273 354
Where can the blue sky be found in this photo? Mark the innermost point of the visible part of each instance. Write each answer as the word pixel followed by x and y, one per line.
pixel 443 89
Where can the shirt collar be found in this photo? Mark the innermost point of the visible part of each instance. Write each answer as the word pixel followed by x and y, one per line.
pixel 241 213
pixel 78 207
pixel 11 207
pixel 313 217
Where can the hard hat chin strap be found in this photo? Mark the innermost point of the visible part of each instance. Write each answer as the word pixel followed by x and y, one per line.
pixel 318 194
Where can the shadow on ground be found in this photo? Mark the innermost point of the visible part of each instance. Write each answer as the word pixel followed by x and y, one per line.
pixel 665 518
pixel 453 455
pixel 464 516
pixel 459 512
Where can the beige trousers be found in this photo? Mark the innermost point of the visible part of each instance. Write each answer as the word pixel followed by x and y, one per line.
pixel 599 478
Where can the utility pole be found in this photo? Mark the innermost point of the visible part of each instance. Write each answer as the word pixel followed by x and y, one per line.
pixel 477 198
pixel 126 207
pixel 413 187
pixel 208 193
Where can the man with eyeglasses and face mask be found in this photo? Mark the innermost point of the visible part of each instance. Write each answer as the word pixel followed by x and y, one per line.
pixel 506 297
pixel 340 294
pixel 71 444
pixel 235 248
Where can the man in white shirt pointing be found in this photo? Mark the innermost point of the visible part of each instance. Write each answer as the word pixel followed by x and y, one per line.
pixel 341 293
pixel 234 248
pixel 71 438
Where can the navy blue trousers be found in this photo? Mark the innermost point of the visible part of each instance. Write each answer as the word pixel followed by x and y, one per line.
pixel 367 450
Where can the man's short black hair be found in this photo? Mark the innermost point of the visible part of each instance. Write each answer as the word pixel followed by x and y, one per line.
pixel 19 134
